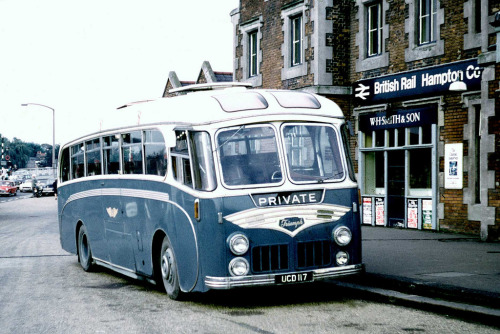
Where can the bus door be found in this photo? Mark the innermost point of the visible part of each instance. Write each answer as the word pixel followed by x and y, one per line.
pixel 118 217
pixel 181 221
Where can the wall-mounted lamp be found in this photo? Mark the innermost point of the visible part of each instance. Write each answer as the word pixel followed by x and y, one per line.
pixel 458 86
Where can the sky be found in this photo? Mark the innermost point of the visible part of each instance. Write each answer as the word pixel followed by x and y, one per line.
pixel 86 58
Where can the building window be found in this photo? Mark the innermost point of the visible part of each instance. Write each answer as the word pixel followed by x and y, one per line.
pixel 295 41
pixel 296 34
pixel 375 29
pixel 477 16
pixel 427 18
pixel 252 53
pixel 477 154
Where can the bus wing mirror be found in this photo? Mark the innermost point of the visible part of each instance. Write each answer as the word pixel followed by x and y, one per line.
pixel 170 139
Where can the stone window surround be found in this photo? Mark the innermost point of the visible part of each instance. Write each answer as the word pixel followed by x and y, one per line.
pixel 246 29
pixel 472 39
pixel 365 63
pixel 480 211
pixel 288 71
pixel 415 51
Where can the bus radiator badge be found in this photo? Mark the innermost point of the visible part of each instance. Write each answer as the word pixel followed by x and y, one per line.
pixel 292 223
pixel 112 212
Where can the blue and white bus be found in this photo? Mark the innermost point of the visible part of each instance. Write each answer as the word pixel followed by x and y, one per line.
pixel 217 188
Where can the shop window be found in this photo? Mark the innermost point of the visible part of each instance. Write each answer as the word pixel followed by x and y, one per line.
pixel 427 134
pixel 420 165
pixel 374 173
pixel 392 137
pixel 414 136
pixel 368 139
pixel 401 137
pixel 380 138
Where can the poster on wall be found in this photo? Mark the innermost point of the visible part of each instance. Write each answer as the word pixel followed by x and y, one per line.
pixel 379 211
pixel 453 166
pixel 367 210
pixel 427 214
pixel 412 218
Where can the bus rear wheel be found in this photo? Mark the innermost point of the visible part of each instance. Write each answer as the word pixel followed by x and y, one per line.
pixel 168 270
pixel 84 250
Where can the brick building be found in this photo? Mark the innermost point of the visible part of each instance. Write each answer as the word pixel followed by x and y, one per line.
pixel 419 79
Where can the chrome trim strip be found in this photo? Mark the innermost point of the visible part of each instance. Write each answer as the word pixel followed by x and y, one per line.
pixel 260 280
pixel 123 271
pixel 269 217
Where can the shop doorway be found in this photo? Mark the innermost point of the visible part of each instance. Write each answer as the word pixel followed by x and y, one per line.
pixel 396 188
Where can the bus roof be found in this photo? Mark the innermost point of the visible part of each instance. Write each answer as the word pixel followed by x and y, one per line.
pixel 217 105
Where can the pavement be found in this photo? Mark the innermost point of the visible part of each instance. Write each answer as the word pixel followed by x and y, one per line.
pixel 451 273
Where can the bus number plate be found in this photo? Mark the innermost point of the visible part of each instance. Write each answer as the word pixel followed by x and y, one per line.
pixel 293 278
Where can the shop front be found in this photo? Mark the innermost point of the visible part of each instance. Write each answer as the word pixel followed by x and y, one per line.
pixel 400 121
pixel 397 165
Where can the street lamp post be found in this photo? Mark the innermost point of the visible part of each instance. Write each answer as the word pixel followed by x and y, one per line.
pixel 53 133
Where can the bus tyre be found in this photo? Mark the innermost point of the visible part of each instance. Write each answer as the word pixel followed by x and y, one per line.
pixel 168 270
pixel 84 251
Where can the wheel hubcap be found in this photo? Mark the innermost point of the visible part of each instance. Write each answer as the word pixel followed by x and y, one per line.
pixel 166 264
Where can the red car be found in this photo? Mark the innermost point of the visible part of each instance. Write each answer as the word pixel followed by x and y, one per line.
pixel 8 188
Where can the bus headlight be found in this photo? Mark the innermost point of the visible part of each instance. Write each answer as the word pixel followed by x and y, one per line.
pixel 342 258
pixel 342 235
pixel 239 266
pixel 238 244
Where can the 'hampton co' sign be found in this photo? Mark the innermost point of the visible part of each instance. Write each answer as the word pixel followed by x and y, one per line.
pixel 429 81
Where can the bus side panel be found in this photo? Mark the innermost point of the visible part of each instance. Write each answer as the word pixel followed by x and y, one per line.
pixel 86 210
pixel 67 222
pixel 348 198
pixel 181 229
pixel 211 242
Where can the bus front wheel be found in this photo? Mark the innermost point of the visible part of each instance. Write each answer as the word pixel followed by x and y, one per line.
pixel 168 269
pixel 84 251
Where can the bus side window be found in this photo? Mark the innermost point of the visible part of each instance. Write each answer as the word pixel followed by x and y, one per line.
pixel 181 165
pixel 203 162
pixel 155 153
pixel 111 154
pixel 132 152
pixel 65 171
pixel 77 161
pixel 93 151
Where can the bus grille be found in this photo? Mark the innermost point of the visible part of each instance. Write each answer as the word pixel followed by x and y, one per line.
pixel 313 254
pixel 270 258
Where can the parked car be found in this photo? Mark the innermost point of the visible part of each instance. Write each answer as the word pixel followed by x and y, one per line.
pixel 48 189
pixel 26 186
pixel 8 188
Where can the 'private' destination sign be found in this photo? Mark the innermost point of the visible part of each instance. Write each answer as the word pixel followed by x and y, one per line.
pixel 429 81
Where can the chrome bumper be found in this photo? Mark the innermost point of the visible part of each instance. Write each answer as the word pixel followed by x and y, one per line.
pixel 259 280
